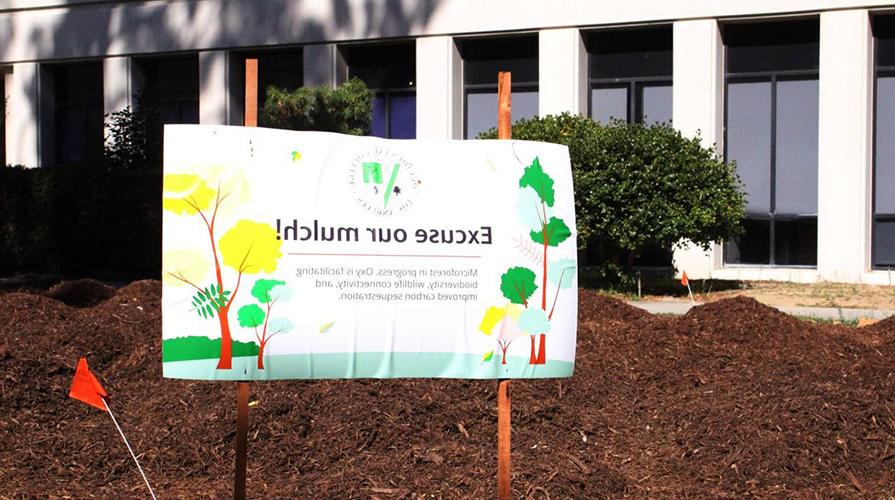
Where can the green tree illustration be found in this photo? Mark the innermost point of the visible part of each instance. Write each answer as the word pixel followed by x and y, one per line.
pixel 518 284
pixel 267 292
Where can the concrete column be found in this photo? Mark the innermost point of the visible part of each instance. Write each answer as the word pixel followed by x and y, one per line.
pixel 22 112
pixel 439 89
pixel 214 95
pixel 46 130
pixel 562 66
pixel 698 103
pixel 844 142
pixel 323 65
pixel 117 94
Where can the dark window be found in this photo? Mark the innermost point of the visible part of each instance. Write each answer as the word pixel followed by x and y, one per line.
pixel 884 144
pixel 482 60
pixel 171 85
pixel 3 116
pixel 630 74
pixel 78 109
pixel 390 72
pixel 282 68
pixel 771 132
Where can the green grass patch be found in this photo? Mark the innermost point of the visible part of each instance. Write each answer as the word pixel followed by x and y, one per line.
pixel 187 348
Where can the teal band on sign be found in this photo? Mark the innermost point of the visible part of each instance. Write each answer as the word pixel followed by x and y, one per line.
pixel 368 365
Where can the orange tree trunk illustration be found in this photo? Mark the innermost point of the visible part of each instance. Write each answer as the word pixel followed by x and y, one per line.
pixel 261 355
pixel 538 356
pixel 225 362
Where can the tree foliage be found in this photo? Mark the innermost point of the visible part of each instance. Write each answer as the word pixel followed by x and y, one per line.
pixel 347 109
pixel 535 178
pixel 642 185
pixel 209 300
pixel 250 316
pixel 251 247
pixel 556 230
pixel 262 288
pixel 186 194
pixel 518 284
pixel 133 137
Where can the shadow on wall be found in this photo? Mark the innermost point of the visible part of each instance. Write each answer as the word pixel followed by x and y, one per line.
pixel 68 220
pixel 88 29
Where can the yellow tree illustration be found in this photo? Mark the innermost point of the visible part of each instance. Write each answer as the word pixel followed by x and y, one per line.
pixel 248 247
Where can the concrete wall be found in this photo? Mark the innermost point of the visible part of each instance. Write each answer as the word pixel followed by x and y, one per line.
pixel 67 29
pixel 39 31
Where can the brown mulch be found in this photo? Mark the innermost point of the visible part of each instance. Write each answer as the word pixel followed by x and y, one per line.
pixel 734 399
pixel 81 293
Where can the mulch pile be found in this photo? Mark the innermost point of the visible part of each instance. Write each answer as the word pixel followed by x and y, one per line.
pixel 734 399
pixel 81 293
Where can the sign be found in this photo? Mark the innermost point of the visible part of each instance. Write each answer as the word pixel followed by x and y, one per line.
pixel 308 255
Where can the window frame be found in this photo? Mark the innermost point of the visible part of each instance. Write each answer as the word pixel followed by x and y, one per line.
pixel 149 66
pixel 387 91
pixel 888 72
pixel 634 86
pixel 61 105
pixel 492 88
pixel 772 77
pixel 258 53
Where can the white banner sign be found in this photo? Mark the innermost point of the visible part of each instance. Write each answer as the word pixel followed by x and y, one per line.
pixel 305 255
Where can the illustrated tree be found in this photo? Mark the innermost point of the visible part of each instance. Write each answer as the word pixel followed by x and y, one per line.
pixel 247 248
pixel 267 292
pixel 518 284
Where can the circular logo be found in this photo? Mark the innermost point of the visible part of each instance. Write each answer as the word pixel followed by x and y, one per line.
pixel 383 182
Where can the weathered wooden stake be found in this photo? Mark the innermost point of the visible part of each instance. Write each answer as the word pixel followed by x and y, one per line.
pixel 504 470
pixel 242 431
pixel 242 388
pixel 251 105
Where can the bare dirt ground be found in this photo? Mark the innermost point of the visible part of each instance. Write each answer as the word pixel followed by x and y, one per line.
pixel 780 294
pixel 732 400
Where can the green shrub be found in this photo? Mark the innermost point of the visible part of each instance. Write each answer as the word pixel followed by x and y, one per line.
pixel 80 221
pixel 347 109
pixel 638 186
pixel 133 137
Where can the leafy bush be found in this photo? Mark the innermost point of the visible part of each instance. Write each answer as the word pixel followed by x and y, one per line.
pixel 347 109
pixel 133 137
pixel 80 221
pixel 638 186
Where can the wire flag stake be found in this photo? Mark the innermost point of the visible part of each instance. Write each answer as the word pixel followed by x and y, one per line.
pixel 145 480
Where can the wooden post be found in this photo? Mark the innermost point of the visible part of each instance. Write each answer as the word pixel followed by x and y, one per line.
pixel 504 470
pixel 504 105
pixel 251 104
pixel 242 388
pixel 242 431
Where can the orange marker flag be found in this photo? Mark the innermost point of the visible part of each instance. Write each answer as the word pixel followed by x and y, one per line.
pixel 684 280
pixel 86 388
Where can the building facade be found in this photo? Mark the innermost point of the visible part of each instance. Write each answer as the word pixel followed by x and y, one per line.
pixel 800 93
